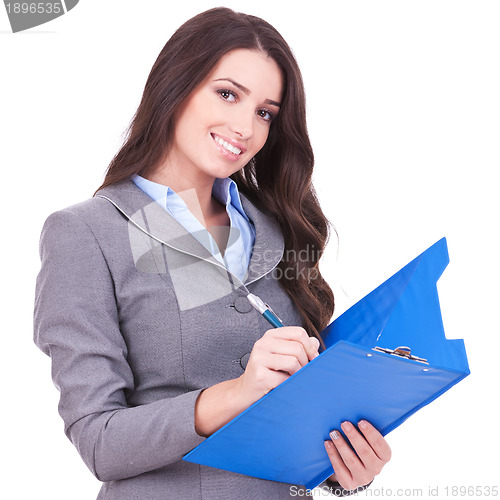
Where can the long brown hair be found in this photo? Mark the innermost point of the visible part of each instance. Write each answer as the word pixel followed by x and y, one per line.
pixel 278 179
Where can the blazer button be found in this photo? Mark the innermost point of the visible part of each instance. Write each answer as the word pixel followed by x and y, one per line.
pixel 244 360
pixel 242 305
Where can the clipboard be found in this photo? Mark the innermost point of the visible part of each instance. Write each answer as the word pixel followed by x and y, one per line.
pixel 386 358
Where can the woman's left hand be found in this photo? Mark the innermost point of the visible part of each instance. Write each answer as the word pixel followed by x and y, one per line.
pixel 357 468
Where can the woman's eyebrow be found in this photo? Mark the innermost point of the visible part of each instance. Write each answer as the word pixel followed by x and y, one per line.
pixel 246 91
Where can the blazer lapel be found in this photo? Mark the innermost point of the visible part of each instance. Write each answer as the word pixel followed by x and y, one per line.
pixel 151 218
pixel 269 245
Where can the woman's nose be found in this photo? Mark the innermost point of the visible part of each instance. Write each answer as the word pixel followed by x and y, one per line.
pixel 242 125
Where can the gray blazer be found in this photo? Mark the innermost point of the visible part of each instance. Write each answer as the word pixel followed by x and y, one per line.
pixel 138 318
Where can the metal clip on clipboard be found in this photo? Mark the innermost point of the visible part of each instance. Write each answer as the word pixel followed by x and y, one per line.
pixel 402 352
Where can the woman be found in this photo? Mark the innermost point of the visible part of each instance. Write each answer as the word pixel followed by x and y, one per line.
pixel 141 299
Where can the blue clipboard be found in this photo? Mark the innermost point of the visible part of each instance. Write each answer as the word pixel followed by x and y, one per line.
pixel 360 375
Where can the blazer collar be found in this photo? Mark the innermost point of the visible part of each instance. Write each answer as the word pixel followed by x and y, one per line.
pixel 151 218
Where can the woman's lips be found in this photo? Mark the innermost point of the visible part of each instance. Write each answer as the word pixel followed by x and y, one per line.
pixel 229 148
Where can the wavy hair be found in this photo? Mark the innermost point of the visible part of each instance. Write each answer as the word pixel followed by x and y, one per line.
pixel 277 180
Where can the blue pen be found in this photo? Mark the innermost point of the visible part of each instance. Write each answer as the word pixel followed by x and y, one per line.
pixel 265 310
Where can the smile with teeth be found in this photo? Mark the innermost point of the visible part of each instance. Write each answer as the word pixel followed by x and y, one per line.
pixel 226 145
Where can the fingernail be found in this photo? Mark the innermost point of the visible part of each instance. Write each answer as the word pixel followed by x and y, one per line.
pixel 362 424
pixel 329 444
pixel 334 435
pixel 346 426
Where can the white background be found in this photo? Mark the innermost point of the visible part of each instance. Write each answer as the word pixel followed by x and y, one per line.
pixel 403 113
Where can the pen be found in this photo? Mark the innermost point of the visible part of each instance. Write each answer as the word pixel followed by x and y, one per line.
pixel 265 310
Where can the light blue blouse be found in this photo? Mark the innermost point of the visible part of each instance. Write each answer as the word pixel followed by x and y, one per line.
pixel 242 236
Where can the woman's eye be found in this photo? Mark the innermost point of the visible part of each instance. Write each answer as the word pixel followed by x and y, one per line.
pixel 265 114
pixel 227 95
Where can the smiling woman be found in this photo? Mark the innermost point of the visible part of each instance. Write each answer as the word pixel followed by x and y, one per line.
pixel 220 129
pixel 142 301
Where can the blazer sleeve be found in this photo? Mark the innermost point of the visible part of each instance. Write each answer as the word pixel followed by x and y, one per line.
pixel 76 324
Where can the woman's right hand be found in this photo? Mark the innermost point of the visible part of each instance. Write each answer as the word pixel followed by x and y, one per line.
pixel 279 353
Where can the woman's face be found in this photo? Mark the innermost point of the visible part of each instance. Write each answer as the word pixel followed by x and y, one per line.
pixel 226 119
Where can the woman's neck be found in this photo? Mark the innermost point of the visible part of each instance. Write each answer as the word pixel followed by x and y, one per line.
pixel 195 191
